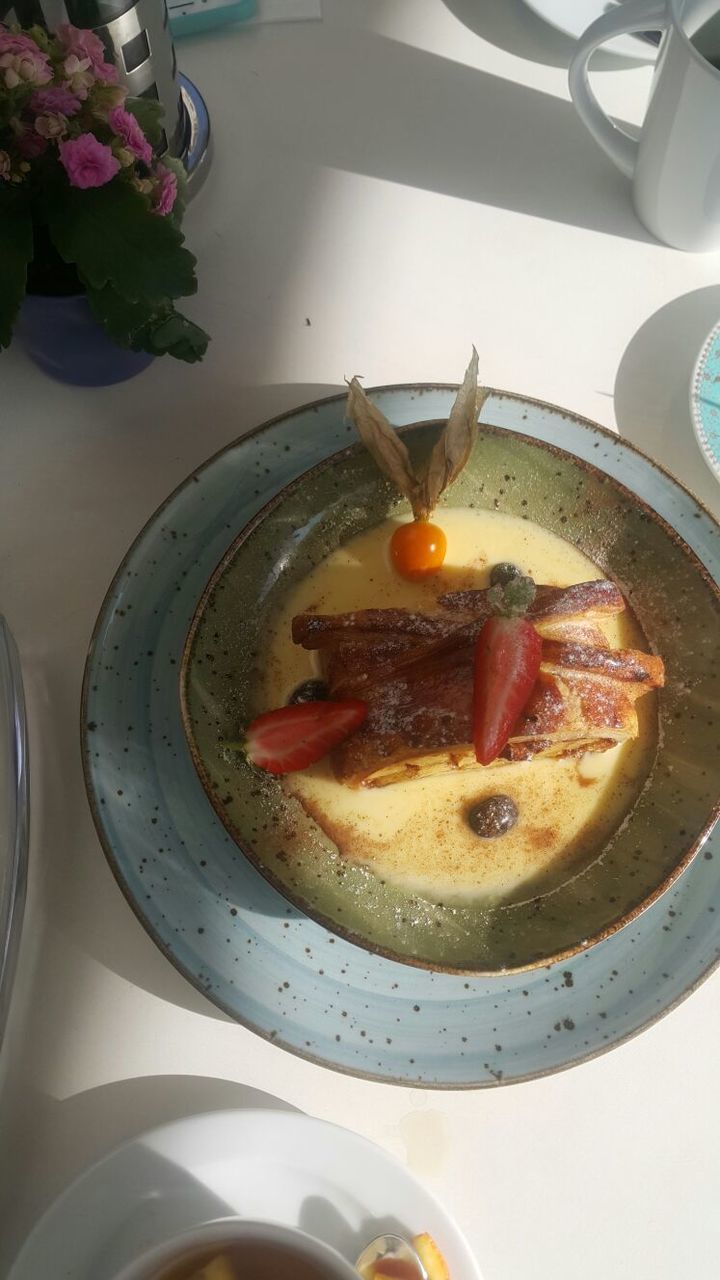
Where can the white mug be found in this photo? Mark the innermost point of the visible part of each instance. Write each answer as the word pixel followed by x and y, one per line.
pixel 675 165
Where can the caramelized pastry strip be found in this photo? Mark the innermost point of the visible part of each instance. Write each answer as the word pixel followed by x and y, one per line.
pixel 620 664
pixel 318 630
pixel 426 638
pixel 588 598
pixel 420 721
pixel 350 670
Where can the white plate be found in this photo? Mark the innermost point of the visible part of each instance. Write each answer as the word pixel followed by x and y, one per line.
pixel 573 17
pixel 283 1166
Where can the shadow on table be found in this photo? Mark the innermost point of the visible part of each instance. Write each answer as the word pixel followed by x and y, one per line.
pixel 320 1218
pixel 512 26
pixel 160 1197
pixel 652 388
pixel 438 125
pixel 159 448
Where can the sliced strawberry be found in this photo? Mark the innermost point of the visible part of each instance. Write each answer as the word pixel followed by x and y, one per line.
pixel 294 737
pixel 507 661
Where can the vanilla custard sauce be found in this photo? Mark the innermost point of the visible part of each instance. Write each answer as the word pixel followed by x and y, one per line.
pixel 416 832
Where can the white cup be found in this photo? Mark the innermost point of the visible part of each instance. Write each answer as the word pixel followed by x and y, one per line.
pixel 153 1262
pixel 675 165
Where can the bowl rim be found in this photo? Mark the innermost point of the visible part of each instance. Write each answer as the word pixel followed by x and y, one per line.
pixel 229 554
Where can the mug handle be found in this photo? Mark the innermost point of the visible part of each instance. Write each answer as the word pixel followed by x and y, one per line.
pixel 633 15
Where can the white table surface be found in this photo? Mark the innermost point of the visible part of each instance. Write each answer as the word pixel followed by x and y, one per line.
pixel 390 185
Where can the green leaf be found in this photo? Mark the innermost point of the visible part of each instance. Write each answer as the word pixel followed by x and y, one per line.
pixel 143 327
pixel 149 115
pixel 113 237
pixel 16 238
pixel 512 599
pixel 177 336
pixel 123 321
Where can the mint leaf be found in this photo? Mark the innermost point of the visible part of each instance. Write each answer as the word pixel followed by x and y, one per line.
pixel 16 237
pixel 514 598
pixel 113 238
pixel 144 327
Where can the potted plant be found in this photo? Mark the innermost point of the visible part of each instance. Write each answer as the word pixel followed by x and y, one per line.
pixel 91 252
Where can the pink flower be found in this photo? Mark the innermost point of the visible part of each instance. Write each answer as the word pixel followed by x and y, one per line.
pixel 85 44
pixel 11 42
pixel 57 100
pixel 165 191
pixel 5 166
pixel 130 134
pixel 87 162
pixel 21 61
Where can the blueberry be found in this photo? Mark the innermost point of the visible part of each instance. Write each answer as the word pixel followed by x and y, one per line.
pixel 309 691
pixel 492 817
pixel 502 573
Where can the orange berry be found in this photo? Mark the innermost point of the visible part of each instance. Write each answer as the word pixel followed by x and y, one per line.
pixel 418 549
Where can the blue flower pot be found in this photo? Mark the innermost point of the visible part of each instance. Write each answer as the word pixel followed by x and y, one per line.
pixel 63 338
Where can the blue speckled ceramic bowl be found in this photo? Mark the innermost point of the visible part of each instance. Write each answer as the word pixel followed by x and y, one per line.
pixel 705 400
pixel 570 906
pixel 229 931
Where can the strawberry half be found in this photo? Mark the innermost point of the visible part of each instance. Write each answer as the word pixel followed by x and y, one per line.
pixel 507 661
pixel 294 737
